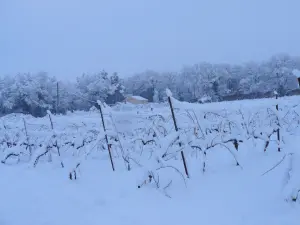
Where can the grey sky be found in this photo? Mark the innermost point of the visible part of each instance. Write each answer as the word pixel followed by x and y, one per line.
pixel 68 37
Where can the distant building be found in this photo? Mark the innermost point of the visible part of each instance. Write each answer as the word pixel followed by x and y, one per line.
pixel 136 100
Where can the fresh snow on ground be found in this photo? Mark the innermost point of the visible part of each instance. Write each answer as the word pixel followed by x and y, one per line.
pixel 258 191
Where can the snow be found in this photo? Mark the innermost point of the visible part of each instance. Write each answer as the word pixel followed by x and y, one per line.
pixel 205 99
pixel 296 73
pixel 259 191
pixel 138 98
pixel 99 103
pixel 168 92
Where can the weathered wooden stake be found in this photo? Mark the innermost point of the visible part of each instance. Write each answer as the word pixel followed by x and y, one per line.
pixel 176 128
pixel 27 138
pixel 57 98
pixel 108 145
pixel 278 131
pixel 172 111
pixel 56 144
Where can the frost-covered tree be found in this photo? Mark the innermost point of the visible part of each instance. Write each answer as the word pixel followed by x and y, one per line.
pixel 100 86
pixel 93 86
pixel 36 93
pixel 28 93
pixel 115 90
pixel 143 84
pixel 252 79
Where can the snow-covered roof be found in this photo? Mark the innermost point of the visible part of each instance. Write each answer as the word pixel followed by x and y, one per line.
pixel 138 97
pixel 296 72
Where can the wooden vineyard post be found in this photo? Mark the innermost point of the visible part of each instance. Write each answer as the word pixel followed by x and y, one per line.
pixel 173 115
pixel 27 138
pixel 56 143
pixel 176 128
pixel 106 139
pixel 278 130
pixel 57 98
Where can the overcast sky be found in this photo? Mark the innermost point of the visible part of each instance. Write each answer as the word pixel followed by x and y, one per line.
pixel 69 37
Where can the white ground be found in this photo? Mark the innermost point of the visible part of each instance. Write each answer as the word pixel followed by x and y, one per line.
pixel 224 194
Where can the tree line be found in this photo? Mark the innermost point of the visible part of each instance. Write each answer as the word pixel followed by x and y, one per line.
pixel 37 93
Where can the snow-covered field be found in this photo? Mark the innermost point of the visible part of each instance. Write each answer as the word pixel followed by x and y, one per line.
pixel 236 174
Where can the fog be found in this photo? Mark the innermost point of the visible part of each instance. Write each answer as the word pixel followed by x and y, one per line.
pixel 68 37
